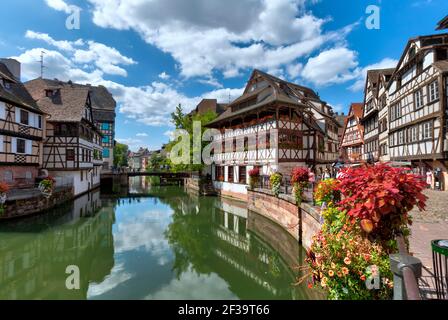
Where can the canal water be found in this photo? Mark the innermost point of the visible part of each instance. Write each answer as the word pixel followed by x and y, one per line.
pixel 154 243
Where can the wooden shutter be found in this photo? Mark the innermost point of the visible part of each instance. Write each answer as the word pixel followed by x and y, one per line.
pixel 28 147
pixel 2 110
pixel 14 145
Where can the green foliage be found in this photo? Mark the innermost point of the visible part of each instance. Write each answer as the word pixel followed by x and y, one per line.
pixel 276 181
pixel 185 122
pixel 121 155
pixel 156 162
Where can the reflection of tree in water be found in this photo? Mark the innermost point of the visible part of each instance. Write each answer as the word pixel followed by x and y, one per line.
pixel 34 253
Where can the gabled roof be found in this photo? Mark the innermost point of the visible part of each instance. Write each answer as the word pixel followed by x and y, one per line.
pixel 408 45
pixel 101 98
pixel 274 90
pixel 356 111
pixel 442 24
pixel 66 106
pixel 17 93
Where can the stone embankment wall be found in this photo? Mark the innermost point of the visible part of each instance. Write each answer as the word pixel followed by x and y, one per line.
pixel 35 203
pixel 302 223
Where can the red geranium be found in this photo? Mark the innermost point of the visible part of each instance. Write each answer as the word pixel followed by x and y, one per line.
pixel 3 187
pixel 300 175
pixel 255 172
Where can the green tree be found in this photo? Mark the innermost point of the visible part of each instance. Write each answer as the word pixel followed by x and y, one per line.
pixel 185 121
pixel 121 155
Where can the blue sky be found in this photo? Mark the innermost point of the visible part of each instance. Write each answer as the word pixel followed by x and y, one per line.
pixel 153 55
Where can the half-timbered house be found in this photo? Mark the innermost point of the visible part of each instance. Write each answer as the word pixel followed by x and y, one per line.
pixel 72 146
pixel 418 107
pixel 352 139
pixel 384 76
pixel 275 125
pixel 22 126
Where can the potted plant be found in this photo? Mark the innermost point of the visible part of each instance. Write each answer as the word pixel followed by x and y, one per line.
pixel 254 176
pixel 4 188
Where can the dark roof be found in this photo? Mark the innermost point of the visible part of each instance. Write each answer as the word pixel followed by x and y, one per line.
pixel 277 90
pixel 17 93
pixel 442 65
pixel 100 97
pixel 209 105
pixel 442 24
pixel 66 106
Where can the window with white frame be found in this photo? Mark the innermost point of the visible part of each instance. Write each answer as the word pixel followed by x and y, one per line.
pixel 433 91
pixel 2 110
pixel 427 130
pixel 418 99
pixel 401 137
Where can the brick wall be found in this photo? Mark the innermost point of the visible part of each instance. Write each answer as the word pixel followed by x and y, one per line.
pixel 302 224
pixel 16 176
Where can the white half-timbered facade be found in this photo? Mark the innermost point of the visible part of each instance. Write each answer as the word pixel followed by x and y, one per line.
pixel 275 126
pixel 418 108
pixel 352 138
pixel 21 129
pixel 72 145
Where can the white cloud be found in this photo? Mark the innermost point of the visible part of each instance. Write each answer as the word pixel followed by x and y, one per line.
pixel 60 5
pixel 164 76
pixel 62 45
pixel 362 74
pixel 333 66
pixel 105 58
pixel 141 134
pixel 231 36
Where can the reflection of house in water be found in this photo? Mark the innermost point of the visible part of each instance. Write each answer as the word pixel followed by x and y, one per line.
pixel 34 253
pixel 262 252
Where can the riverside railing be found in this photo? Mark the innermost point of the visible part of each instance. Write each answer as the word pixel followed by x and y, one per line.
pixel 407 270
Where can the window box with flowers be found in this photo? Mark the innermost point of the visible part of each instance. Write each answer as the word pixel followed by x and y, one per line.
pixel 300 180
pixel 46 186
pixel 254 177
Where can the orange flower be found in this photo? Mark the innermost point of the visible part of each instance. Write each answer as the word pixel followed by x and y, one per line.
pixel 345 271
pixel 310 286
pixel 363 278
pixel 323 282
pixel 347 261
pixel 331 273
pixel 339 274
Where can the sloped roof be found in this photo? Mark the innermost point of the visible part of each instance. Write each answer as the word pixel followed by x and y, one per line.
pixel 66 106
pixel 442 24
pixel 100 97
pixel 357 109
pixel 442 65
pixel 17 93
pixel 278 90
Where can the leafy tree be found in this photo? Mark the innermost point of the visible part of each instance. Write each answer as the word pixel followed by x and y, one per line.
pixel 121 155
pixel 185 122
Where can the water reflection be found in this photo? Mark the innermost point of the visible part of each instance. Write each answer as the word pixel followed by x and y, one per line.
pixel 34 253
pixel 168 245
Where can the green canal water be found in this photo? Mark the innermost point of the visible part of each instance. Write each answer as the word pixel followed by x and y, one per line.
pixel 156 243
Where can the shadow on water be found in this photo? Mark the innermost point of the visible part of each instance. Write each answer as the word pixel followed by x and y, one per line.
pixel 162 244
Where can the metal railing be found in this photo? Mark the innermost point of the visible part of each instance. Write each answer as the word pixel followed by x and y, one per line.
pixel 407 270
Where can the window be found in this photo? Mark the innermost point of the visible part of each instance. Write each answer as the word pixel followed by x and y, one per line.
pixel 105 126
pixel 39 122
pixel 418 99
pixel 433 91
pixel 106 153
pixel 70 155
pixel 106 139
pixel 242 175
pixel 2 110
pixel 24 117
pixel 412 134
pixel 401 137
pixel 82 175
pixel 395 111
pixel 21 146
pixel 230 174
pixel 427 130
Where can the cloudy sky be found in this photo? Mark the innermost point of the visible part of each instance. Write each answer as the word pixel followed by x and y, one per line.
pixel 155 54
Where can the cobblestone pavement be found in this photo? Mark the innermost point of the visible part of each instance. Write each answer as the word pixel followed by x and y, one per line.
pixel 431 224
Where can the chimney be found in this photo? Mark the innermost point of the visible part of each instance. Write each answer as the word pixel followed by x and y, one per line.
pixel 13 66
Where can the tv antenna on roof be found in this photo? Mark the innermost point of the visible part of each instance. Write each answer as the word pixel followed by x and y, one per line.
pixel 42 66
